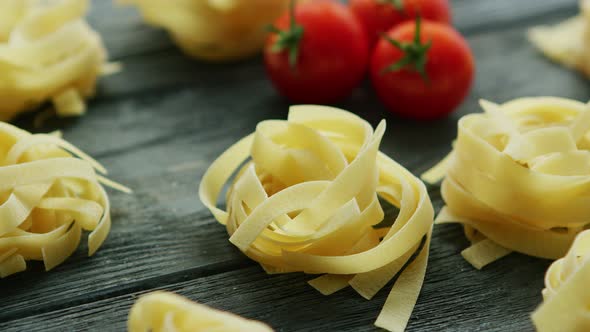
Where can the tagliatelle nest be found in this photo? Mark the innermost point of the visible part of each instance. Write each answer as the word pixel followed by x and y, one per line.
pixel 518 178
pixel 47 53
pixel 566 305
pixel 47 198
pixel 213 29
pixel 166 312
pixel 307 200
pixel 568 42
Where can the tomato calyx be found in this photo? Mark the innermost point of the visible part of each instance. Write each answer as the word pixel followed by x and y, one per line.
pixel 397 4
pixel 289 39
pixel 415 54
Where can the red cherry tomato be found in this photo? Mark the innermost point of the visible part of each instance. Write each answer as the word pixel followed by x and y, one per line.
pixel 425 77
pixel 378 16
pixel 320 56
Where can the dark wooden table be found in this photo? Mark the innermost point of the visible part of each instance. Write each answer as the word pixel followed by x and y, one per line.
pixel 158 125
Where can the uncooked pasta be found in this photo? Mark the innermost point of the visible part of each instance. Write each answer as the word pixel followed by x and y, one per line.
pixel 518 178
pixel 48 197
pixel 306 198
pixel 167 312
pixel 213 29
pixel 48 53
pixel 566 305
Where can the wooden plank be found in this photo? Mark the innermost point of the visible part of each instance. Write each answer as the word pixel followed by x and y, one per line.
pixel 159 124
pixel 123 31
pixel 162 221
pixel 180 106
pixel 115 126
pixel 135 255
pixel 475 16
pixel 162 234
pixel 154 69
pixel 125 35
pixel 455 297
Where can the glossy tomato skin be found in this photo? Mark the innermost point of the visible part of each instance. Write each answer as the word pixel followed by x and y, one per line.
pixel 333 54
pixel 450 69
pixel 378 17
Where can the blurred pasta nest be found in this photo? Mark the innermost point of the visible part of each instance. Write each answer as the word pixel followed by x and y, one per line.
pixel 47 53
pixel 566 42
pixel 518 178
pixel 566 295
pixel 213 29
pixel 47 198
pixel 164 311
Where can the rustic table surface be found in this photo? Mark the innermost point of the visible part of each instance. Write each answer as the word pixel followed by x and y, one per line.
pixel 157 126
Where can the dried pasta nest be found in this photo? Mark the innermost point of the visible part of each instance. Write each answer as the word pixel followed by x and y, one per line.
pixel 163 311
pixel 518 178
pixel 47 53
pixel 47 198
pixel 568 42
pixel 566 305
pixel 307 199
pixel 213 29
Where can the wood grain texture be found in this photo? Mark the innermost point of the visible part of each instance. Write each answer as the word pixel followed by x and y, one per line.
pixel 453 298
pixel 157 126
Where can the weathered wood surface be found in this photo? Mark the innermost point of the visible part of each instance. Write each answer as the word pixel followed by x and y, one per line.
pixel 159 124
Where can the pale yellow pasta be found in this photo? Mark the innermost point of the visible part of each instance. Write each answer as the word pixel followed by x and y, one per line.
pixel 47 197
pixel 518 178
pixel 566 305
pixel 166 312
pixel 306 199
pixel 568 42
pixel 47 53
pixel 213 29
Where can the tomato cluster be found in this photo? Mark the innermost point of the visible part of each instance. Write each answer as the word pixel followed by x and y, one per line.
pixel 421 68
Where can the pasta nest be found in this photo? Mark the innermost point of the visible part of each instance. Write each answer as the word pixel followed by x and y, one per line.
pixel 518 178
pixel 47 53
pixel 213 29
pixel 47 198
pixel 163 311
pixel 567 42
pixel 566 295
pixel 307 199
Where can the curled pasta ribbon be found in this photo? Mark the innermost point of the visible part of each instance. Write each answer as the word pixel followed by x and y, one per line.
pixel 307 200
pixel 567 42
pixel 213 29
pixel 566 305
pixel 165 312
pixel 47 197
pixel 47 53
pixel 518 178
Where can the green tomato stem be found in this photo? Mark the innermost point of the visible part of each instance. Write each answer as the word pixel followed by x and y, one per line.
pixel 289 40
pixel 415 54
